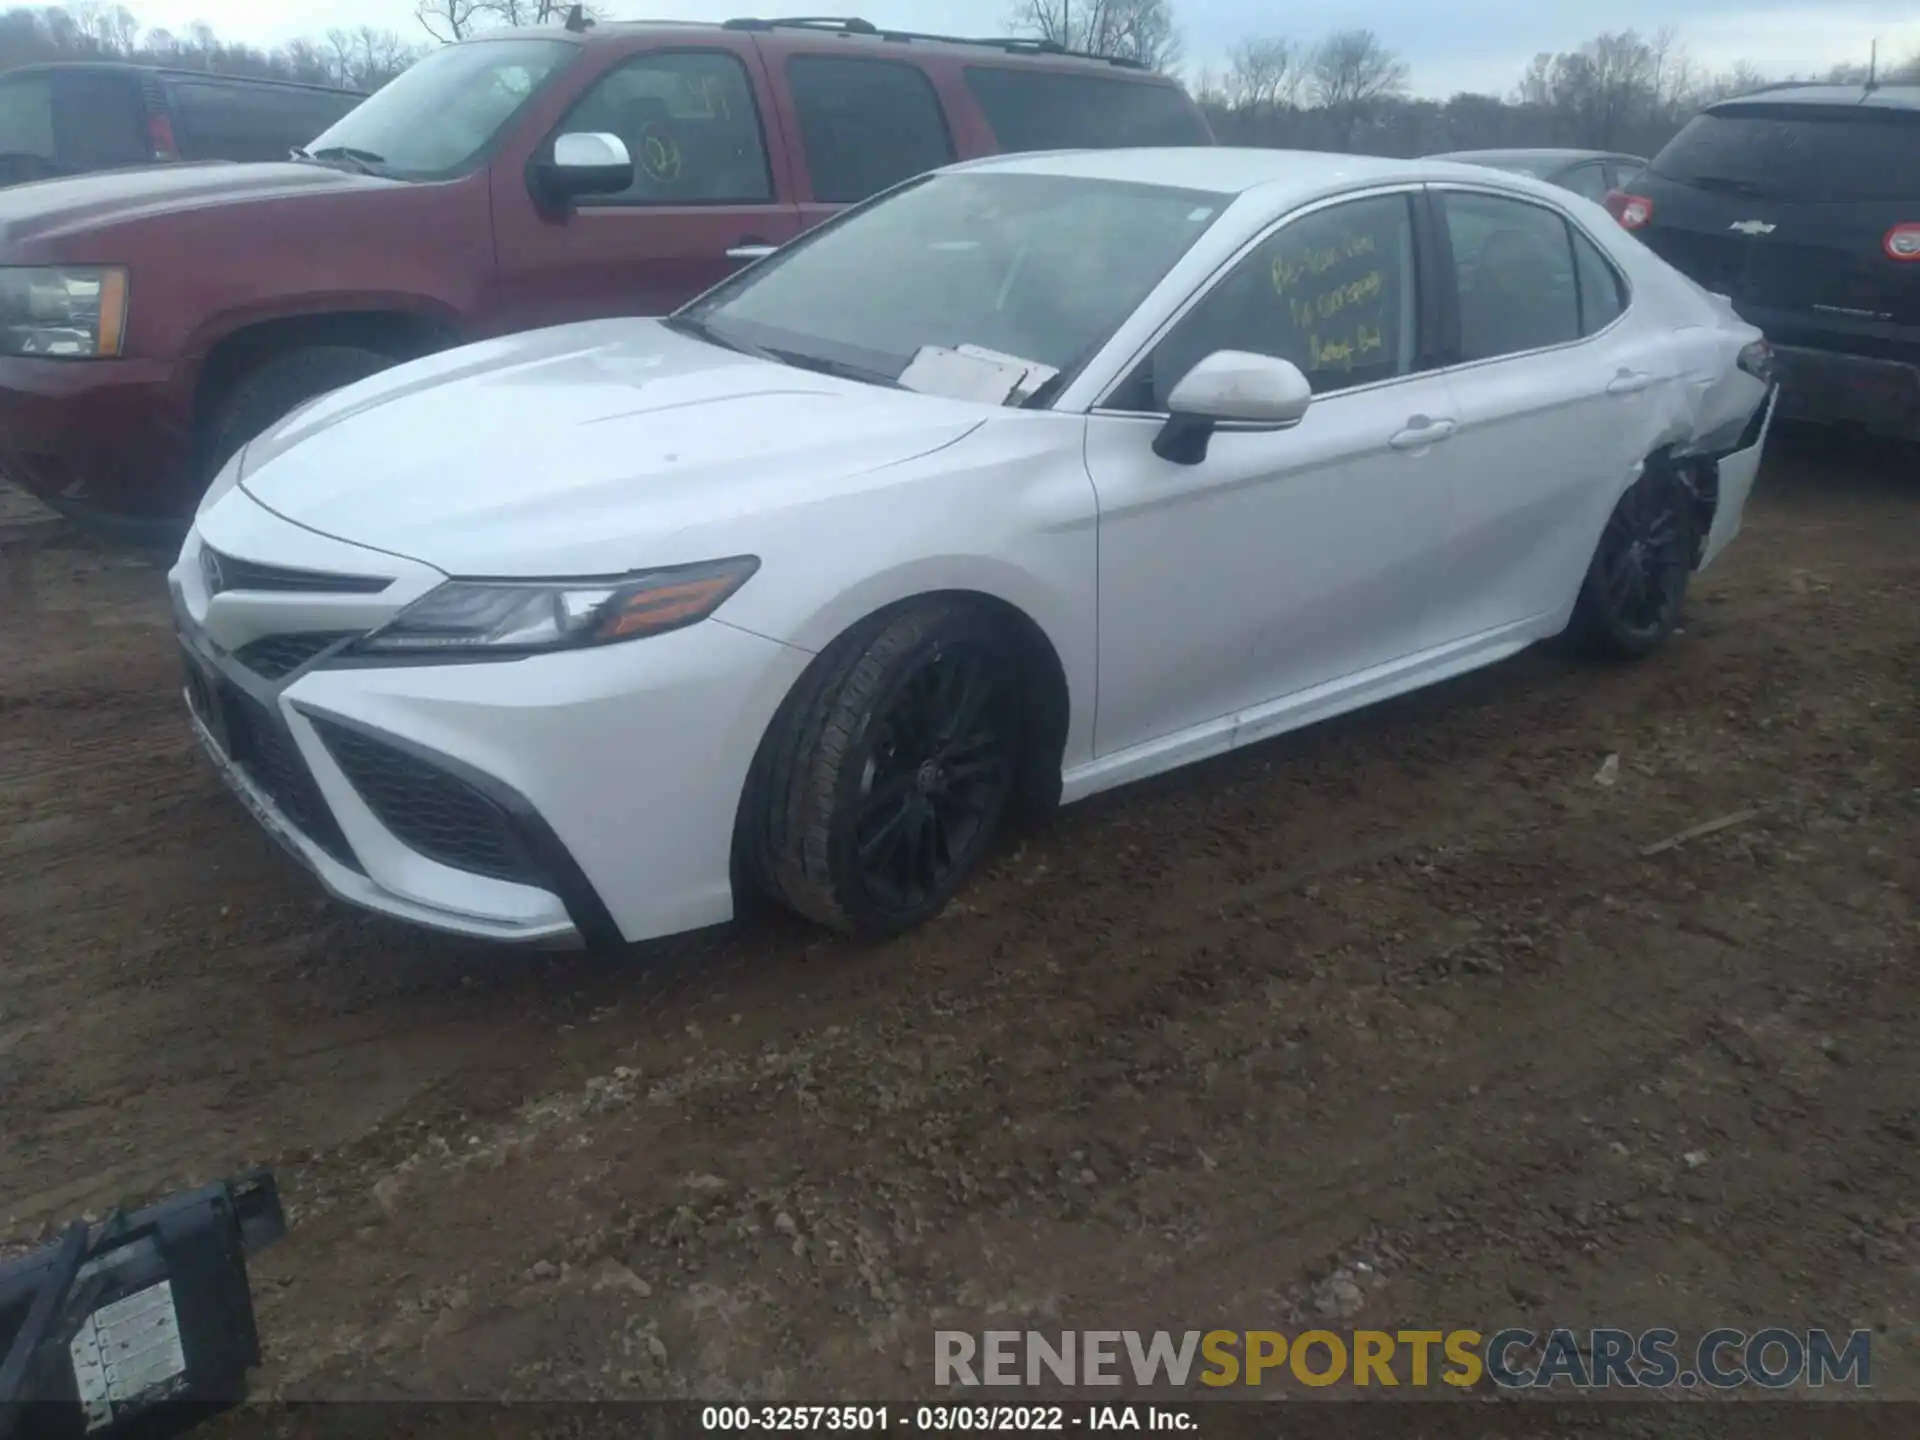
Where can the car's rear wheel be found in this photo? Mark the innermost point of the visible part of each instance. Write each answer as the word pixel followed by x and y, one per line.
pixel 1636 584
pixel 892 770
pixel 267 391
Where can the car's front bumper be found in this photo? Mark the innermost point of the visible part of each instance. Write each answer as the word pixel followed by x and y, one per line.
pixel 579 797
pixel 1834 388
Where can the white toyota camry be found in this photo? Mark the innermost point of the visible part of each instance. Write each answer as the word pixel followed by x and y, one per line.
pixel 1035 476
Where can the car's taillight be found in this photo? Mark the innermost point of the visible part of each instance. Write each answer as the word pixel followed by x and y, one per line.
pixel 160 136
pixel 1634 212
pixel 1757 360
pixel 1903 242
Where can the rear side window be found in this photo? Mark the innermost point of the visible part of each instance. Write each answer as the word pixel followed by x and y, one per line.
pixel 1516 276
pixel 865 124
pixel 1588 180
pixel 26 116
pixel 1798 153
pixel 1051 110
pixel 96 120
pixel 1603 295
pixel 215 120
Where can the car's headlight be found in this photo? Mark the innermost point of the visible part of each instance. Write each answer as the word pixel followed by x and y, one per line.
pixel 65 312
pixel 527 617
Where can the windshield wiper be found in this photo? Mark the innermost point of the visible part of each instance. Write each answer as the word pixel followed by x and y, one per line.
pixel 839 368
pixel 701 330
pixel 361 160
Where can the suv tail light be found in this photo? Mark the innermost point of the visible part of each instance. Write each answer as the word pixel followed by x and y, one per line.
pixel 1903 242
pixel 160 136
pixel 1634 212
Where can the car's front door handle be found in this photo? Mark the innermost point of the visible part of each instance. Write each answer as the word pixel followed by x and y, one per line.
pixel 1422 432
pixel 1629 382
pixel 751 250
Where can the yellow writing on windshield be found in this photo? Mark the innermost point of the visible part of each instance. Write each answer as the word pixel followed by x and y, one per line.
pixel 1345 353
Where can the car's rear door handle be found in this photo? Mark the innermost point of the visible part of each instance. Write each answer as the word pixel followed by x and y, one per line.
pixel 1422 432
pixel 1629 382
pixel 751 250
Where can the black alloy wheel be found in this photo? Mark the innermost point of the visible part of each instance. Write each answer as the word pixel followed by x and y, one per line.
pixel 941 769
pixel 891 769
pixel 1637 582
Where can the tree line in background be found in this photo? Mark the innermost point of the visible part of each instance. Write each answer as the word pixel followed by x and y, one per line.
pixel 1346 91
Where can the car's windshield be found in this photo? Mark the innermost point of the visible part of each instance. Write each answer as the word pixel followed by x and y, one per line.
pixel 1041 267
pixel 436 118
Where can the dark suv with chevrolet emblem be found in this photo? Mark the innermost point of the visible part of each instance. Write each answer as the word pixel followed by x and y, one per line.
pixel 1801 204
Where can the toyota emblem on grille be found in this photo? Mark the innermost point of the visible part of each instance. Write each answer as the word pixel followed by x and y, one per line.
pixel 210 571
pixel 1753 227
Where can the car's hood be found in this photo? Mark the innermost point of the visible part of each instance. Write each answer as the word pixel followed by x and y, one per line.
pixel 81 205
pixel 587 447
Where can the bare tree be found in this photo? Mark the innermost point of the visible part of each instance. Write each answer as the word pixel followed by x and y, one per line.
pixel 1138 30
pixel 1264 74
pixel 1351 71
pixel 446 20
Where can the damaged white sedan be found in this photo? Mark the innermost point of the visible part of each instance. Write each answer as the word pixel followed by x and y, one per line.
pixel 1035 476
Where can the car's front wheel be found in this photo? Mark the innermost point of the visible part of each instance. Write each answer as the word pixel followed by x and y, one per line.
pixel 1637 582
pixel 891 770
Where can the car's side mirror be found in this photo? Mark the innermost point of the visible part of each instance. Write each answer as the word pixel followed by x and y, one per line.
pixel 584 162
pixel 1231 390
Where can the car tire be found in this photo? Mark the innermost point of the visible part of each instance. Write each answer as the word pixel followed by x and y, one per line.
pixel 891 769
pixel 1636 583
pixel 265 393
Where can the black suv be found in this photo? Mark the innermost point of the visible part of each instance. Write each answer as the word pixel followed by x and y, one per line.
pixel 1801 204
pixel 69 119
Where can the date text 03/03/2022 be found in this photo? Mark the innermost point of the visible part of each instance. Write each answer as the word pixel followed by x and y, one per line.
pixel 944 1419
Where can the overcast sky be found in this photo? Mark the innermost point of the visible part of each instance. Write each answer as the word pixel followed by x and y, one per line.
pixel 1452 45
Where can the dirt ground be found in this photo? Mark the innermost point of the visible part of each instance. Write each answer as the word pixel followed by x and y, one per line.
pixel 1387 1023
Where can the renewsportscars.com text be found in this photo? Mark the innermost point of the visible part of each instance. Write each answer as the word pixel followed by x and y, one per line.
pixel 1512 1359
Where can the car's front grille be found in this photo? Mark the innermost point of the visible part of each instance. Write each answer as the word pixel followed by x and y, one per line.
pixel 430 810
pixel 223 572
pixel 272 657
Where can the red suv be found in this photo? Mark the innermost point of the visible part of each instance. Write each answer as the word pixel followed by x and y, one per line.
pixel 153 321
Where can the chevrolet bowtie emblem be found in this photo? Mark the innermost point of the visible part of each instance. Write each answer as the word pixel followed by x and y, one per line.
pixel 1753 227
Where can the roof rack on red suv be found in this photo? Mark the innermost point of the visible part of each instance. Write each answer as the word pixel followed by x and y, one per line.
pixel 854 25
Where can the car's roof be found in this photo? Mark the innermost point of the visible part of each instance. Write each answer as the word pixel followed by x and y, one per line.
pixel 1886 97
pixel 134 67
pixel 1231 170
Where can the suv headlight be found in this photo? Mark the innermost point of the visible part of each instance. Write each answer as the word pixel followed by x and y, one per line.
pixel 500 619
pixel 65 312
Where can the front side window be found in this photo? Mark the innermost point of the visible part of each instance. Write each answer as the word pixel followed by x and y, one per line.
pixel 865 125
pixel 689 121
pixel 437 118
pixel 1332 291
pixel 1042 267
pixel 1514 267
